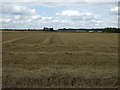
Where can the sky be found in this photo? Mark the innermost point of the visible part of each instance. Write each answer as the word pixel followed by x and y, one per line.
pixel 58 14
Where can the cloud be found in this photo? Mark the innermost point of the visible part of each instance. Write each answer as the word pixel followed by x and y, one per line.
pixel 114 10
pixel 75 15
pixel 17 10
pixel 36 17
pixel 43 1
pixel 68 13
pixel 47 18
pixel 5 20
pixel 17 17
pixel 60 0
pixel 40 18
pixel 102 0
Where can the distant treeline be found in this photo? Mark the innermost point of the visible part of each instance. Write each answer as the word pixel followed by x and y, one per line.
pixel 111 30
pixel 108 30
pixel 22 29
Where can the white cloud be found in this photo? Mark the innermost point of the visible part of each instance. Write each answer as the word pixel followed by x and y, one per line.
pixel 42 0
pixel 36 17
pixel 102 0
pixel 23 15
pixel 40 18
pixel 47 18
pixel 5 20
pixel 76 15
pixel 17 17
pixel 60 0
pixel 68 13
pixel 17 10
pixel 115 9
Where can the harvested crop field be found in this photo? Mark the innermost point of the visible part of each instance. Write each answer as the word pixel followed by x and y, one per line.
pixel 59 60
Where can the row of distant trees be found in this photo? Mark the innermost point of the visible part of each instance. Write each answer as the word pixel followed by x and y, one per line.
pixel 22 29
pixel 112 30
pixel 48 29
pixel 44 29
pixel 108 30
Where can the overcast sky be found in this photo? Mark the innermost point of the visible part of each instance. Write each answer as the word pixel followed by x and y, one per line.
pixel 59 14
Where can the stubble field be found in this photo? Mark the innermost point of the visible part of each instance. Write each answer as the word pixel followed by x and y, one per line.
pixel 59 60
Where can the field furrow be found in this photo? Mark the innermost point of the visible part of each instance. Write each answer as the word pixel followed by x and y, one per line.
pixel 59 60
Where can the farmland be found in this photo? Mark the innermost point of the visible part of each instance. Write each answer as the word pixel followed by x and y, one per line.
pixel 59 60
